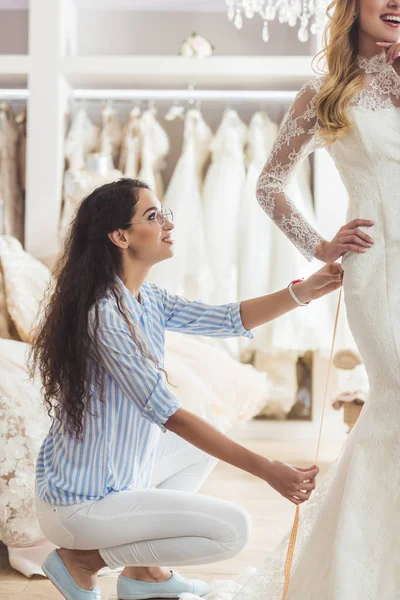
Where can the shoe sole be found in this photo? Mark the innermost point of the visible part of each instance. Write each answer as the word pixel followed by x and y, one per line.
pixel 56 584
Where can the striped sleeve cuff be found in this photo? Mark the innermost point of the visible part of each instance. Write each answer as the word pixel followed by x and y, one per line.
pixel 161 405
pixel 237 321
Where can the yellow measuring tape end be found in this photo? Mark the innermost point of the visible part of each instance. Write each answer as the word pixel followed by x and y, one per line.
pixel 290 553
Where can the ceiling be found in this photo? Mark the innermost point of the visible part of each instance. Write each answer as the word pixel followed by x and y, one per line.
pixel 138 5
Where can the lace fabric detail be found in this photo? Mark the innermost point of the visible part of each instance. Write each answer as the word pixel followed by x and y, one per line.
pixel 298 137
pixel 296 140
pixel 381 84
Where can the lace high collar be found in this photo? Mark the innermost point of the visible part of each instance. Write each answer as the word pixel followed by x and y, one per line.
pixel 376 64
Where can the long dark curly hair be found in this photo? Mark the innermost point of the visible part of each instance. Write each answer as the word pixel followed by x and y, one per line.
pixel 84 273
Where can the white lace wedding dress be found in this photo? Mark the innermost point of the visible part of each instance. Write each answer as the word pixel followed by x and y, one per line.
pixel 348 545
pixel 188 273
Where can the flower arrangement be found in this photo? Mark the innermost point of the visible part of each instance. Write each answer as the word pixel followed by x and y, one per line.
pixel 196 46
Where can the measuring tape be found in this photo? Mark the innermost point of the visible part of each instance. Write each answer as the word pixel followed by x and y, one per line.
pixel 295 527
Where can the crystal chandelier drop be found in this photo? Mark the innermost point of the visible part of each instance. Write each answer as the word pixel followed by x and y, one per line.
pixel 311 14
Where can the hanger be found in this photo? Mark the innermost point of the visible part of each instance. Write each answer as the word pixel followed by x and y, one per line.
pixel 152 106
pixel 135 109
pixel 109 110
pixel 176 111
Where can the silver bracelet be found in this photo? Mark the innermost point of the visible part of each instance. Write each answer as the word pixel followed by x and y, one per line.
pixel 295 298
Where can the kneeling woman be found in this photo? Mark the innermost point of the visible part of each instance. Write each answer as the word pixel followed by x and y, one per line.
pixel 118 473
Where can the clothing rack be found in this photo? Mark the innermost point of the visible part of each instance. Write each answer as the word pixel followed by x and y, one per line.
pixel 173 95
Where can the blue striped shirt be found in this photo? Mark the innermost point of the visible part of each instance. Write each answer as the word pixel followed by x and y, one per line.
pixel 121 433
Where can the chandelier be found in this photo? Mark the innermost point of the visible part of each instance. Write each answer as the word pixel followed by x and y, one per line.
pixel 311 14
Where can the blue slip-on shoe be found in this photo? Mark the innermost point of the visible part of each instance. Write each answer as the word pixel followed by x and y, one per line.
pixel 55 570
pixel 131 589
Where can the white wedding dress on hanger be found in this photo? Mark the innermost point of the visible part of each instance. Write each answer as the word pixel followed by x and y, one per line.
pixel 222 195
pixel 154 149
pixel 223 192
pixel 111 133
pixel 82 139
pixel 129 160
pixel 254 230
pixel 188 272
pixel 348 541
pixel 11 197
pixel 88 169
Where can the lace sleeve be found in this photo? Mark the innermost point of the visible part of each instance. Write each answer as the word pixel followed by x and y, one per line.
pixel 296 140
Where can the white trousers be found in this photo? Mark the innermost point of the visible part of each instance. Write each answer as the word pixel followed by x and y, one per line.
pixel 166 525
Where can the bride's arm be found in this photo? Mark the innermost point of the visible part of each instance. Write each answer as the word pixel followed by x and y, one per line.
pixel 299 137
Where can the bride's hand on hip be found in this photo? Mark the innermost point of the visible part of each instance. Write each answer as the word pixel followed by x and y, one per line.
pixel 348 239
pixel 292 483
pixel 392 51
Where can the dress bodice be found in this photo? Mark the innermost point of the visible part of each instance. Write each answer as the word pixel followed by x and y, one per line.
pixel 368 160
pixel 367 157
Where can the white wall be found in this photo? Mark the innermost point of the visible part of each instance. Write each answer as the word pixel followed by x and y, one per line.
pixel 129 32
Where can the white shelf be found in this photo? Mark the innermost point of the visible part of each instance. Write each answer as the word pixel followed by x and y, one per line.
pixel 282 72
pixel 14 70
pixel 263 72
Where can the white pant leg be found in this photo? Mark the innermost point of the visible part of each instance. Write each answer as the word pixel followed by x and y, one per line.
pixel 169 525
pixel 180 465
pixel 152 527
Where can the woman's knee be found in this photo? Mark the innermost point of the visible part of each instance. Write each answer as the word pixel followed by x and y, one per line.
pixel 239 528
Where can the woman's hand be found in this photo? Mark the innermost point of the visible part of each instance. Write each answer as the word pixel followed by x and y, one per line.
pixel 323 282
pixel 348 239
pixel 292 483
pixel 392 50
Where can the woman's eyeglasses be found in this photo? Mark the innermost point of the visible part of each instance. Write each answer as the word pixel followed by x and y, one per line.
pixel 158 216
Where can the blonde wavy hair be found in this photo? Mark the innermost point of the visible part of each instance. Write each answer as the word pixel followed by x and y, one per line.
pixel 343 79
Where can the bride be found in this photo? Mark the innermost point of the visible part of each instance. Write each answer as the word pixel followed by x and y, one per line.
pixel 348 545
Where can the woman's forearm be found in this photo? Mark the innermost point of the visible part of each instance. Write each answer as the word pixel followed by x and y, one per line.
pixel 292 483
pixel 261 310
pixel 204 436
